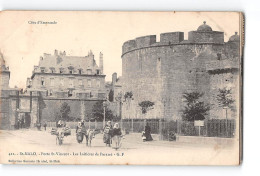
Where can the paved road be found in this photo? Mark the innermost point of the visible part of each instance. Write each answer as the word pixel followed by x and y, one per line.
pixel 132 146
pixel 44 139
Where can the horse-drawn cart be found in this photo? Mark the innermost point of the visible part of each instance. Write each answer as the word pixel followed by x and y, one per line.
pixel 60 133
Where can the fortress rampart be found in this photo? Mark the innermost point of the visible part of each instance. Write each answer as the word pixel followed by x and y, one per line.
pixel 174 38
pixel 161 71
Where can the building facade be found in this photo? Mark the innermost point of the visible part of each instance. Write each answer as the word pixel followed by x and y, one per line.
pixel 58 79
pixel 115 96
pixel 78 81
pixel 16 106
pixel 160 72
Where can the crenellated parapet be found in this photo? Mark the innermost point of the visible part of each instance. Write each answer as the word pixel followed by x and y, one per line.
pixel 150 40
pixel 203 35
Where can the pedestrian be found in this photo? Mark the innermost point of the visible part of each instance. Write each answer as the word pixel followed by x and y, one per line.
pixel 147 133
pixel 107 133
pixel 116 136
pixel 45 125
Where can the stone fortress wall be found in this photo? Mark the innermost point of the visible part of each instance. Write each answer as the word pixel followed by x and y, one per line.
pixel 162 71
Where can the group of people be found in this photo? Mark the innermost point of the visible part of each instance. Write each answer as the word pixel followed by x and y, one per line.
pixel 20 123
pixel 112 135
pixel 82 132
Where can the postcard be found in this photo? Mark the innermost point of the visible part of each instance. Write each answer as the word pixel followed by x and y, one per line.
pixel 121 88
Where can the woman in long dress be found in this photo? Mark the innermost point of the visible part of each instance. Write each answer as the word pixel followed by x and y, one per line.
pixel 107 133
pixel 147 130
pixel 116 136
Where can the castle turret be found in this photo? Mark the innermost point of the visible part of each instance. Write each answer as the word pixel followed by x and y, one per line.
pixel 205 34
pixel 101 62
pixel 114 78
pixel 5 73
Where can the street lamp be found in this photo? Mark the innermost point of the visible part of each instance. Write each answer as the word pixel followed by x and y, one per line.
pixel 226 108
pixel 104 106
pixel 119 99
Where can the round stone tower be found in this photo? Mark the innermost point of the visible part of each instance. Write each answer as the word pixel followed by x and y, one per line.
pixel 162 71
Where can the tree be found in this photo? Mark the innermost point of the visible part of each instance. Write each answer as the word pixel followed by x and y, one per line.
pixel 128 95
pixel 64 111
pixel 98 112
pixel 111 96
pixel 145 106
pixel 194 109
pixel 225 99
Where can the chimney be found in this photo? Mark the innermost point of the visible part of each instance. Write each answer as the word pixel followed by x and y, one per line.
pixel 55 52
pixel 28 83
pixel 101 63
pixel 114 78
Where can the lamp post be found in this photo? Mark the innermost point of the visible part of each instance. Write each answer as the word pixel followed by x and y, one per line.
pixel 104 106
pixel 226 108
pixel 119 98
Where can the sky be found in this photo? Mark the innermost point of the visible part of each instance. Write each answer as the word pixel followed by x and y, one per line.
pixel 77 32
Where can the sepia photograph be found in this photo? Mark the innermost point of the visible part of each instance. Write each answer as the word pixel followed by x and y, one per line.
pixel 121 88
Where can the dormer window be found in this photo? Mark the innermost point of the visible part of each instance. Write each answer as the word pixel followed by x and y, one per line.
pixel 89 71
pixel 70 69
pixel 42 69
pixel 52 70
pixel 97 72
pixel 61 70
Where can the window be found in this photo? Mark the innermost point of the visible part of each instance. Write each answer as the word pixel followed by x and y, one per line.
pixel 51 92
pixel 89 83
pixel 42 70
pixel 42 81
pixel 71 83
pixel 80 82
pixel 80 71
pixel 98 83
pixel 71 71
pixel 62 82
pixel 89 71
pixel 52 81
pixel 97 72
